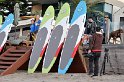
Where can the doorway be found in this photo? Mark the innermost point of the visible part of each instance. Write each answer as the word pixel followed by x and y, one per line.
pixel 122 22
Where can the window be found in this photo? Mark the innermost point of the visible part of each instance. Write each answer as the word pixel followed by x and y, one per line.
pixel 108 8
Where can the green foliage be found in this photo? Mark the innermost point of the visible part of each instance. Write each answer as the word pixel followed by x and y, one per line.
pixel 75 1
pixel 2 0
pixel 10 0
pixel 9 5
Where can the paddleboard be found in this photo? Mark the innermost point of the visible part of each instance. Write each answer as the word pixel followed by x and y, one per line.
pixel 1 19
pixel 57 38
pixel 41 40
pixel 5 29
pixel 73 38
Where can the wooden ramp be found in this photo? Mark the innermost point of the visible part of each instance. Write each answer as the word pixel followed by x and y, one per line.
pixel 13 58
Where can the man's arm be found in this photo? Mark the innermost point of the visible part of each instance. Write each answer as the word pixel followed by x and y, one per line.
pixel 91 42
pixel 95 25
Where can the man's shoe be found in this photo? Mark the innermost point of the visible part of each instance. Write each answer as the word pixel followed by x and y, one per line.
pixel 94 75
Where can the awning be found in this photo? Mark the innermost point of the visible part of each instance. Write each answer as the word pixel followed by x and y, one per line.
pixel 45 1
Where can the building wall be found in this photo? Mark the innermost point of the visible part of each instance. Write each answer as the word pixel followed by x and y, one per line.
pixel 116 18
pixel 115 9
pixel 115 2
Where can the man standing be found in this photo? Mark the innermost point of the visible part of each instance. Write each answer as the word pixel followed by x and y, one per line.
pixel 107 28
pixel 37 23
pixel 32 30
pixel 95 47
pixel 90 26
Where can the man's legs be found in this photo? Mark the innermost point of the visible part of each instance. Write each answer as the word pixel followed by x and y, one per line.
pixel 91 65
pixel 96 63
pixel 104 40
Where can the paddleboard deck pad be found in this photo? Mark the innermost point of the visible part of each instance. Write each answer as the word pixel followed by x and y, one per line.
pixel 73 38
pixel 2 36
pixel 57 38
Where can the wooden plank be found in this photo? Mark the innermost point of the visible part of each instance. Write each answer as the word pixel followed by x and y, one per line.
pixel 18 51
pixel 12 55
pixel 4 67
pixel 1 62
pixel 8 58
